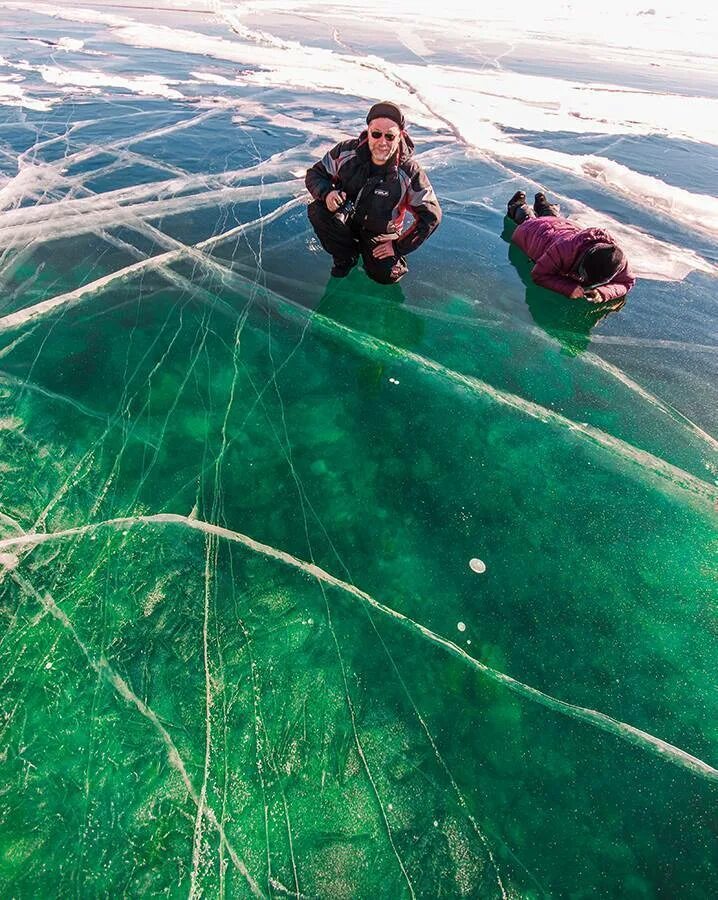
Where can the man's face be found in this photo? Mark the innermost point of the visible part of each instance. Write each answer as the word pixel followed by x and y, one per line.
pixel 384 146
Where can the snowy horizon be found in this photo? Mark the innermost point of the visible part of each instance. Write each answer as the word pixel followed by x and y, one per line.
pixel 475 102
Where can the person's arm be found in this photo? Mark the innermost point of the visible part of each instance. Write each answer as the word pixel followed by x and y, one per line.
pixel 317 180
pixel 422 203
pixel 548 273
pixel 622 283
pixel 323 176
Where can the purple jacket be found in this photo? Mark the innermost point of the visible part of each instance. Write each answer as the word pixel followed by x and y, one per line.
pixel 557 246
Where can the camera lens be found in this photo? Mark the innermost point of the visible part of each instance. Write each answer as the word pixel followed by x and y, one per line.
pixel 344 212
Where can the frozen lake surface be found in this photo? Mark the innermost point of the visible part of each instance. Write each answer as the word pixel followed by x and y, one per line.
pixel 321 588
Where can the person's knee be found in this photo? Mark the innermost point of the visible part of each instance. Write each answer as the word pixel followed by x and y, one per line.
pixel 317 212
pixel 387 274
pixel 327 223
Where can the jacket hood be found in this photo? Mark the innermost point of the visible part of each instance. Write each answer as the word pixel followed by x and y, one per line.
pixel 595 236
pixel 406 147
pixel 590 239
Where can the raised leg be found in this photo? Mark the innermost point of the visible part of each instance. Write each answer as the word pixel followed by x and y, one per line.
pixel 336 238
pixel 383 271
pixel 543 208
pixel 518 209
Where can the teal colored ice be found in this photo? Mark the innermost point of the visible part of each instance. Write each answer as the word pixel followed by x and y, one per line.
pixel 319 588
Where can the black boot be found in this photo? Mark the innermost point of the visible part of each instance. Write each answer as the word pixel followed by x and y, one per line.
pixel 518 209
pixel 543 208
pixel 518 199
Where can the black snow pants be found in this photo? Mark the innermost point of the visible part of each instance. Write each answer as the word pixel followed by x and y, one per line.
pixel 345 242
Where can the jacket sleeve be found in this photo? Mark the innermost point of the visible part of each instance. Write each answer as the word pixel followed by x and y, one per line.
pixel 422 202
pixel 548 273
pixel 619 287
pixel 322 176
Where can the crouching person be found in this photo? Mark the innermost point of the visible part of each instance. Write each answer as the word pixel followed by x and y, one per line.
pixel 573 261
pixel 362 189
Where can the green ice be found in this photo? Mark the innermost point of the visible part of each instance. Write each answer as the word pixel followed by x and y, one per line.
pixel 238 501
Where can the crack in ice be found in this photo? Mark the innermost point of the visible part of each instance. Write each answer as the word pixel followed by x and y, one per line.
pixel 102 667
pixel 21 317
pixel 636 736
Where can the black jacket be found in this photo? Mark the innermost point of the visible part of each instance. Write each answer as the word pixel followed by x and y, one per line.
pixel 380 200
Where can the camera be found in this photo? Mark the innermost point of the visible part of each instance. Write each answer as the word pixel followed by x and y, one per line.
pixel 344 212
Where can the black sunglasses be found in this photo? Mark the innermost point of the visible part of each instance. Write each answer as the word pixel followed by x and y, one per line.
pixel 389 135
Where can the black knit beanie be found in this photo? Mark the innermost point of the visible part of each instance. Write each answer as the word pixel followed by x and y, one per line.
pixel 386 110
pixel 602 262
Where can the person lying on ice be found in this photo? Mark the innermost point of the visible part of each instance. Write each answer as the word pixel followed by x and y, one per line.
pixel 362 189
pixel 574 261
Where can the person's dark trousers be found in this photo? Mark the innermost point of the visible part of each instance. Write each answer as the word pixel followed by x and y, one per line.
pixel 345 244
pixel 336 237
pixel 385 271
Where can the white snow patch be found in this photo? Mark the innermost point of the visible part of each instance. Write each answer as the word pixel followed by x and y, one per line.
pixel 212 78
pixel 67 43
pixel 147 85
pixel 30 180
pixel 12 94
pixel 69 14
pixel 9 560
pixel 414 42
